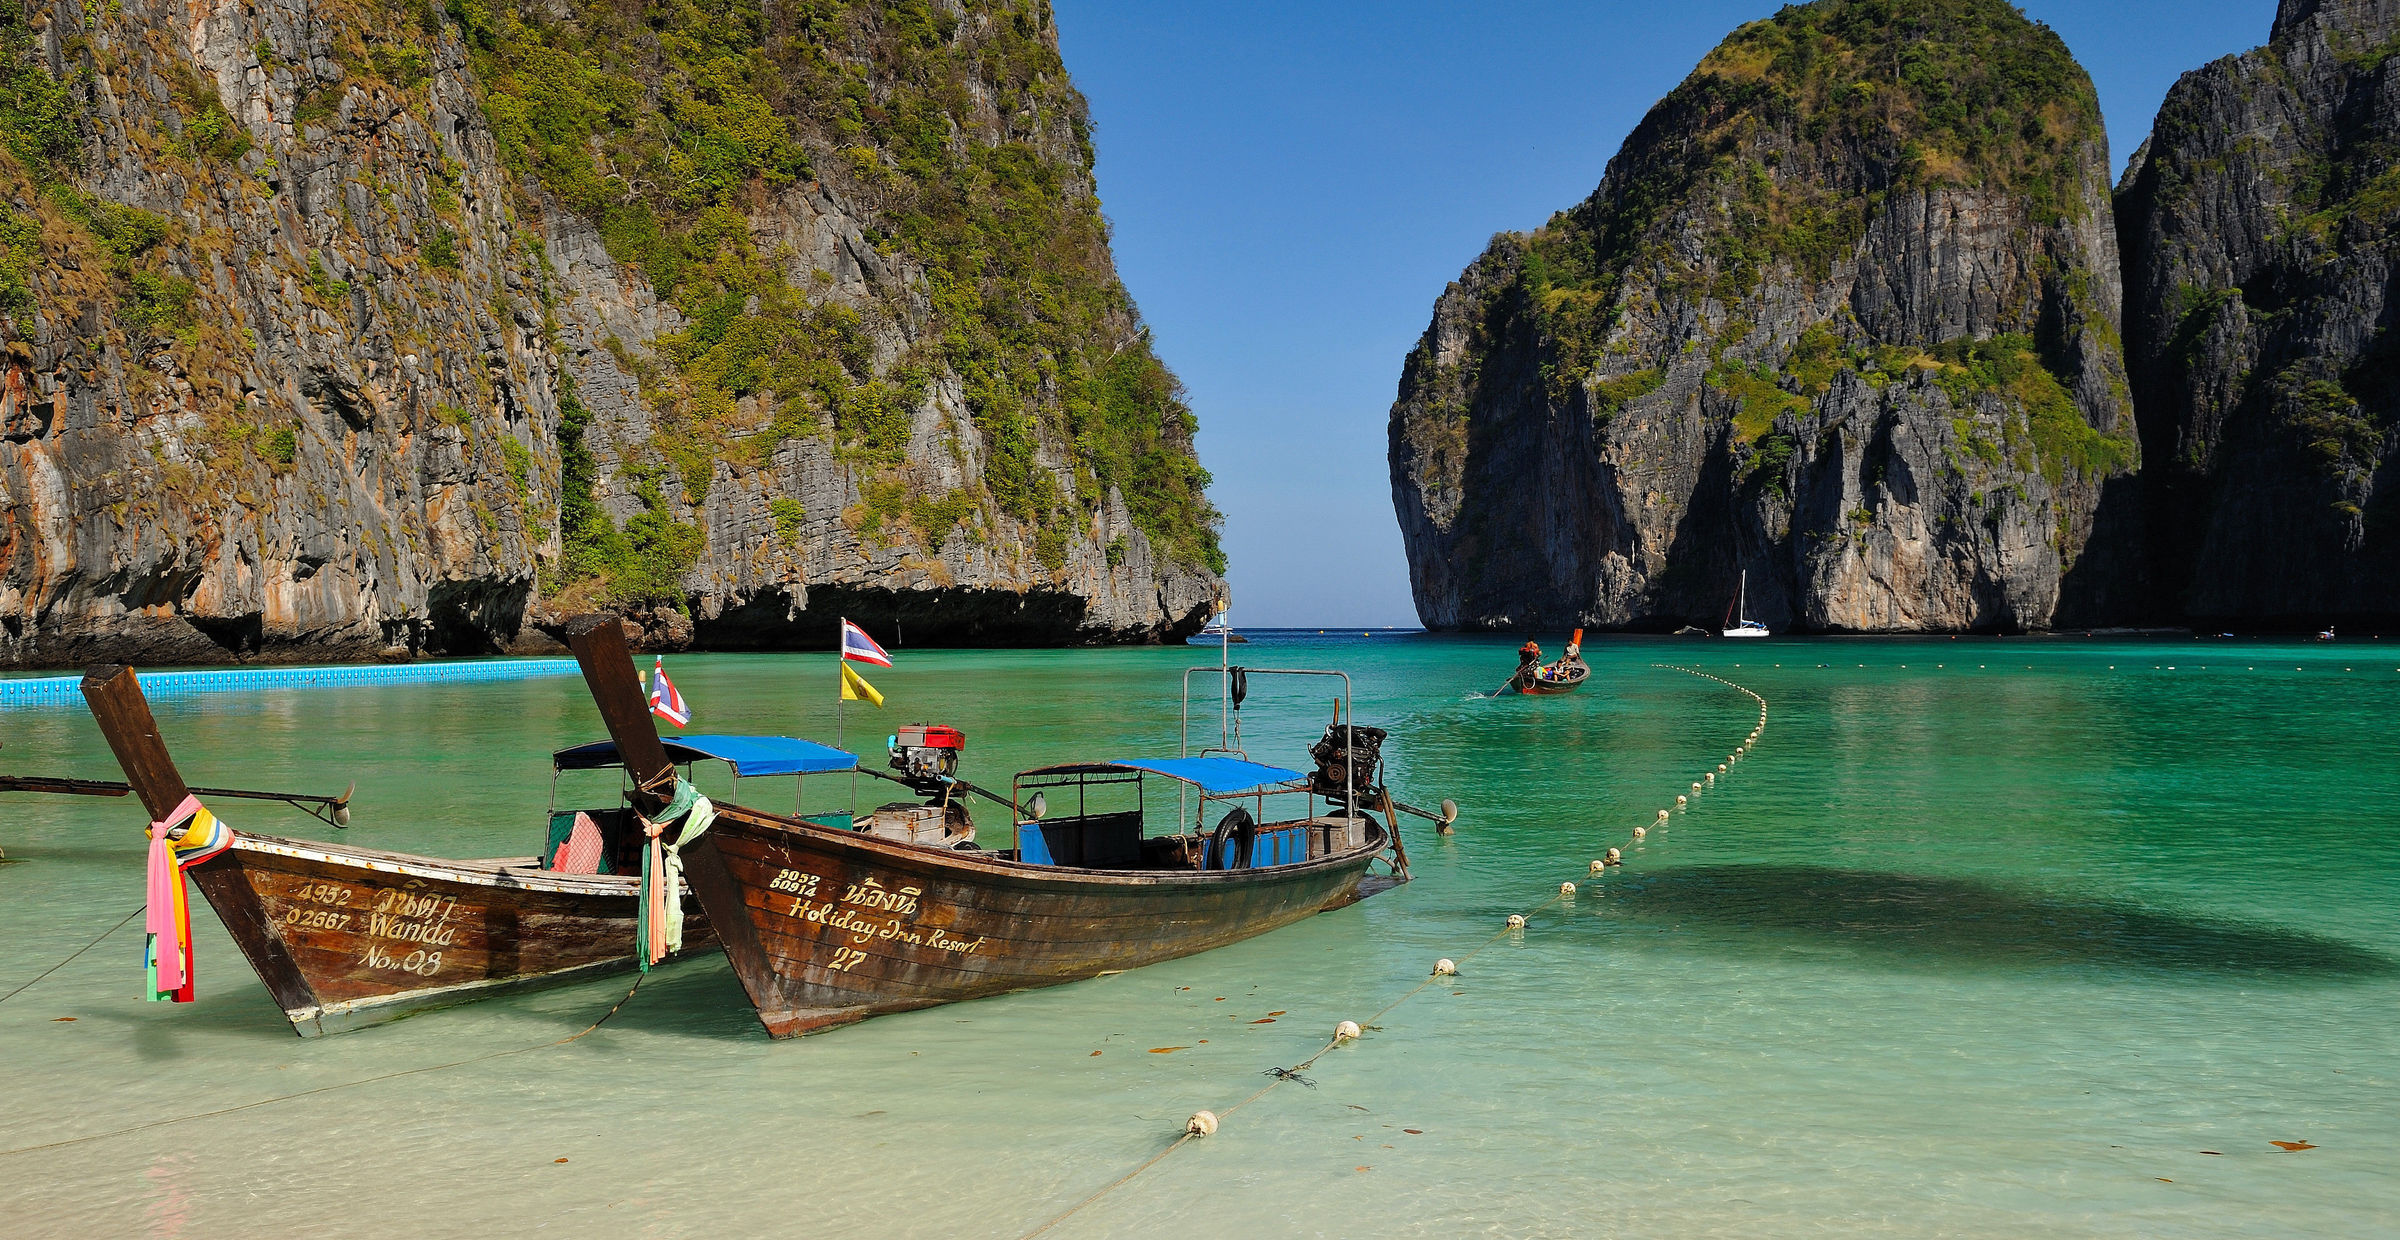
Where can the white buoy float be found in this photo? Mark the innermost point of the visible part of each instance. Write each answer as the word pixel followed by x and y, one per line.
pixel 1201 1124
pixel 1680 802
pixel 1720 768
pixel 1566 889
pixel 1347 1031
pixel 1712 779
pixel 1516 921
pixel 1639 832
pixel 1614 858
pixel 1695 785
pixel 1662 815
pixel 1598 866
pixel 1445 967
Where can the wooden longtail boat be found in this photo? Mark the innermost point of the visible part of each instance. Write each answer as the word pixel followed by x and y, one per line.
pixel 1557 678
pixel 1564 676
pixel 826 926
pixel 346 937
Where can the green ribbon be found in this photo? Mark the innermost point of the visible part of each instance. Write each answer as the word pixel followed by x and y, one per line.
pixel 695 812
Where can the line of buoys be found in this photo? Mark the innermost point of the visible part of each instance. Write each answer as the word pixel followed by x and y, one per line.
pixel 1205 1123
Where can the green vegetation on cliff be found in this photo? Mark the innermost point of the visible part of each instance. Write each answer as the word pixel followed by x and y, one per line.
pixel 1799 124
pixel 962 141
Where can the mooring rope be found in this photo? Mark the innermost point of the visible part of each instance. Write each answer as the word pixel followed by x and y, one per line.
pixel 1204 1123
pixel 326 1089
pixel 137 911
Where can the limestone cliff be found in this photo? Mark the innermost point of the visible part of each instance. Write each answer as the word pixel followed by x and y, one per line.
pixel 2260 251
pixel 334 328
pixel 1841 313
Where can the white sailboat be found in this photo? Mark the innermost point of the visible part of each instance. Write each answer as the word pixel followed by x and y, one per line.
pixel 1744 626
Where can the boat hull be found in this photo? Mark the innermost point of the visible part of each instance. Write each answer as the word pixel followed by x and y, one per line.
pixel 825 927
pixel 348 937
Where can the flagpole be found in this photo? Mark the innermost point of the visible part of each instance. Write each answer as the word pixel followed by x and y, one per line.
pixel 841 691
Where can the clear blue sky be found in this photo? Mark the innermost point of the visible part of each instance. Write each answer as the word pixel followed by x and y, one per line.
pixel 1293 184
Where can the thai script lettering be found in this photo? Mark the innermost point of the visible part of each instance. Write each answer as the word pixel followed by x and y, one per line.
pixel 867 893
pixel 408 917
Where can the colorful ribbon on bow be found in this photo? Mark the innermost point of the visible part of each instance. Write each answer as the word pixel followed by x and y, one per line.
pixel 167 948
pixel 658 927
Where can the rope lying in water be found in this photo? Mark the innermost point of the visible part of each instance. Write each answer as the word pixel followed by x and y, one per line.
pixel 1515 926
pixel 326 1089
pixel 137 911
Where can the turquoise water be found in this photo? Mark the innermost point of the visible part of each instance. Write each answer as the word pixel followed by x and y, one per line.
pixel 1987 937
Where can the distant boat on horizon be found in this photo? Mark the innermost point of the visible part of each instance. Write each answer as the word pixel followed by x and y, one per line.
pixel 1744 626
pixel 1216 632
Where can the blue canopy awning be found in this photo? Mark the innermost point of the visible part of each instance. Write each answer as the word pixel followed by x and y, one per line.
pixel 748 755
pixel 1212 774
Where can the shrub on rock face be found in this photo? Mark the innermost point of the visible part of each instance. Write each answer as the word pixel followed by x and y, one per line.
pixel 1860 261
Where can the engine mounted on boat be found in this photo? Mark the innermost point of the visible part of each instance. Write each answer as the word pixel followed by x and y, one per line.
pixel 1349 755
pixel 926 754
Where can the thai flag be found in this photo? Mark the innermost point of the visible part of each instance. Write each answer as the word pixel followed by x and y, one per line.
pixel 857 645
pixel 665 702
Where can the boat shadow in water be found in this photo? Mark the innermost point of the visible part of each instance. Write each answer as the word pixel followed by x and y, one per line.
pixel 1946 921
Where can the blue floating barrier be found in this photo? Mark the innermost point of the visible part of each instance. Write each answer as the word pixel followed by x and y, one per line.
pixel 67 690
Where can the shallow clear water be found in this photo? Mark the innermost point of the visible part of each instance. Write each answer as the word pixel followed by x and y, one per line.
pixel 1987 937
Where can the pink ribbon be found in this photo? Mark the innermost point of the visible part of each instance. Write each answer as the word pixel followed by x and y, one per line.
pixel 160 915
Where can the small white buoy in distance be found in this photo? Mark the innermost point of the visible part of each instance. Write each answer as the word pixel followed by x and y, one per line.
pixel 1662 815
pixel 1566 889
pixel 1639 832
pixel 1695 785
pixel 1445 967
pixel 1614 858
pixel 1201 1124
pixel 1598 866
pixel 1516 921
pixel 1346 1031
pixel 1680 802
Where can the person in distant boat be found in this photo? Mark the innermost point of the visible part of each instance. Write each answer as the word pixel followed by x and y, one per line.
pixel 1529 665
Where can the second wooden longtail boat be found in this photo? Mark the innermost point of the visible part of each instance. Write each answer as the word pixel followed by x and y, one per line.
pixel 1564 676
pixel 827 925
pixel 345 936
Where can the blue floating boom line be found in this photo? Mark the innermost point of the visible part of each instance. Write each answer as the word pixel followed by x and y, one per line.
pixel 68 691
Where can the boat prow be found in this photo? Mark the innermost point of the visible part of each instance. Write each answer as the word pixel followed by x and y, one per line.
pixel 345 936
pixel 825 926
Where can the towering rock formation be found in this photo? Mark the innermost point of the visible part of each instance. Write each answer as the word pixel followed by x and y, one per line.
pixel 1842 313
pixel 2260 255
pixel 331 328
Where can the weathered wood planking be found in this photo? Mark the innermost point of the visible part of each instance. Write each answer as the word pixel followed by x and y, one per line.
pixel 825 927
pixel 346 937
